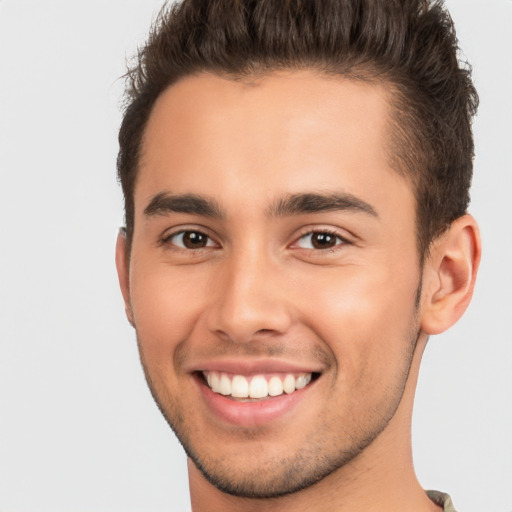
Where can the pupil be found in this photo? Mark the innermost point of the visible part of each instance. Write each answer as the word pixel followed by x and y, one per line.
pixel 193 240
pixel 323 240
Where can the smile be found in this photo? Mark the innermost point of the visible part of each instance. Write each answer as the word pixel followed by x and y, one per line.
pixel 255 386
pixel 250 394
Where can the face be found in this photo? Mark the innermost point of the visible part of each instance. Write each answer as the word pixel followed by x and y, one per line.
pixel 273 275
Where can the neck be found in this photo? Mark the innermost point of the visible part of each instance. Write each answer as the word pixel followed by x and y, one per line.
pixel 380 479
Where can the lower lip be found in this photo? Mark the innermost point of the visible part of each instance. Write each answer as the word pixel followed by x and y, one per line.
pixel 251 414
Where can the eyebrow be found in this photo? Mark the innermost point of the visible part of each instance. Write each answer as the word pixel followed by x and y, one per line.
pixel 164 203
pixel 292 204
pixel 295 204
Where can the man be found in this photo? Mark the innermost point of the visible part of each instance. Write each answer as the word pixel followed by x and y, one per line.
pixel 296 180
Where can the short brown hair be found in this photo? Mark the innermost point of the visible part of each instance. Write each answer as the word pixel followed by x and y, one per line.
pixel 410 45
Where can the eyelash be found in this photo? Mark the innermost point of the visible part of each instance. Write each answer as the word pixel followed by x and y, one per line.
pixel 167 240
pixel 340 240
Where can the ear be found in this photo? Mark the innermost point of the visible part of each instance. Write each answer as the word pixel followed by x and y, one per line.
pixel 123 273
pixel 449 275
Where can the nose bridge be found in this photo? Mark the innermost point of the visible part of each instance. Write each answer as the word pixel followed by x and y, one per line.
pixel 249 298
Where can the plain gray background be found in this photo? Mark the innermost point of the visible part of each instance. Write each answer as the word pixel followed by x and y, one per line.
pixel 78 429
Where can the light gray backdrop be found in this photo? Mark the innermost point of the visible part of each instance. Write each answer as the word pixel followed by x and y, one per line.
pixel 78 429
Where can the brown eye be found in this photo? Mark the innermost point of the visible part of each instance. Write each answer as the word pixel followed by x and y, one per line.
pixel 319 240
pixel 323 240
pixel 191 240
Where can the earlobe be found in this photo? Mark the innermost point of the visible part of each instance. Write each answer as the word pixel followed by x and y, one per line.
pixel 449 275
pixel 123 274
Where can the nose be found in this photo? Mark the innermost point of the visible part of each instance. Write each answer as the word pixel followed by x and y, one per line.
pixel 250 299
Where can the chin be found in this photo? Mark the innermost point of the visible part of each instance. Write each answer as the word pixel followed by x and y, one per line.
pixel 272 475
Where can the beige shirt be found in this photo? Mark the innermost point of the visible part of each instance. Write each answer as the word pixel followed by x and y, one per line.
pixel 442 499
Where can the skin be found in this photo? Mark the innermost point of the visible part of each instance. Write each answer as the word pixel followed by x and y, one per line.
pixel 358 312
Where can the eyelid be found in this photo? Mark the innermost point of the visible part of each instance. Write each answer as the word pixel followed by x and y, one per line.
pixel 310 230
pixel 165 238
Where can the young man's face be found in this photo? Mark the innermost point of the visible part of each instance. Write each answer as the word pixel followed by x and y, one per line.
pixel 273 243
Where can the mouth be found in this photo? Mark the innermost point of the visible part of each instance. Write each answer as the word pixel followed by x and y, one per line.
pixel 257 387
pixel 251 394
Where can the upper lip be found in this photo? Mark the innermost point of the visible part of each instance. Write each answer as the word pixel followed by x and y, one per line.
pixel 255 366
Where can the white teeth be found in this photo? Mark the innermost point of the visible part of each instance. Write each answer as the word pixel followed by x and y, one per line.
pixel 214 381
pixel 259 387
pixel 224 385
pixel 239 386
pixel 275 386
pixel 289 384
pixel 302 381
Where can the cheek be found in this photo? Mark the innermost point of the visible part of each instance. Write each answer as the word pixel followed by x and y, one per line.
pixel 166 306
pixel 366 318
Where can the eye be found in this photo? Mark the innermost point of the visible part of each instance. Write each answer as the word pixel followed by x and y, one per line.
pixel 319 240
pixel 190 240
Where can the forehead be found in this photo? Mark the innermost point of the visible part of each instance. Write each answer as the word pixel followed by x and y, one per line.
pixel 286 132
